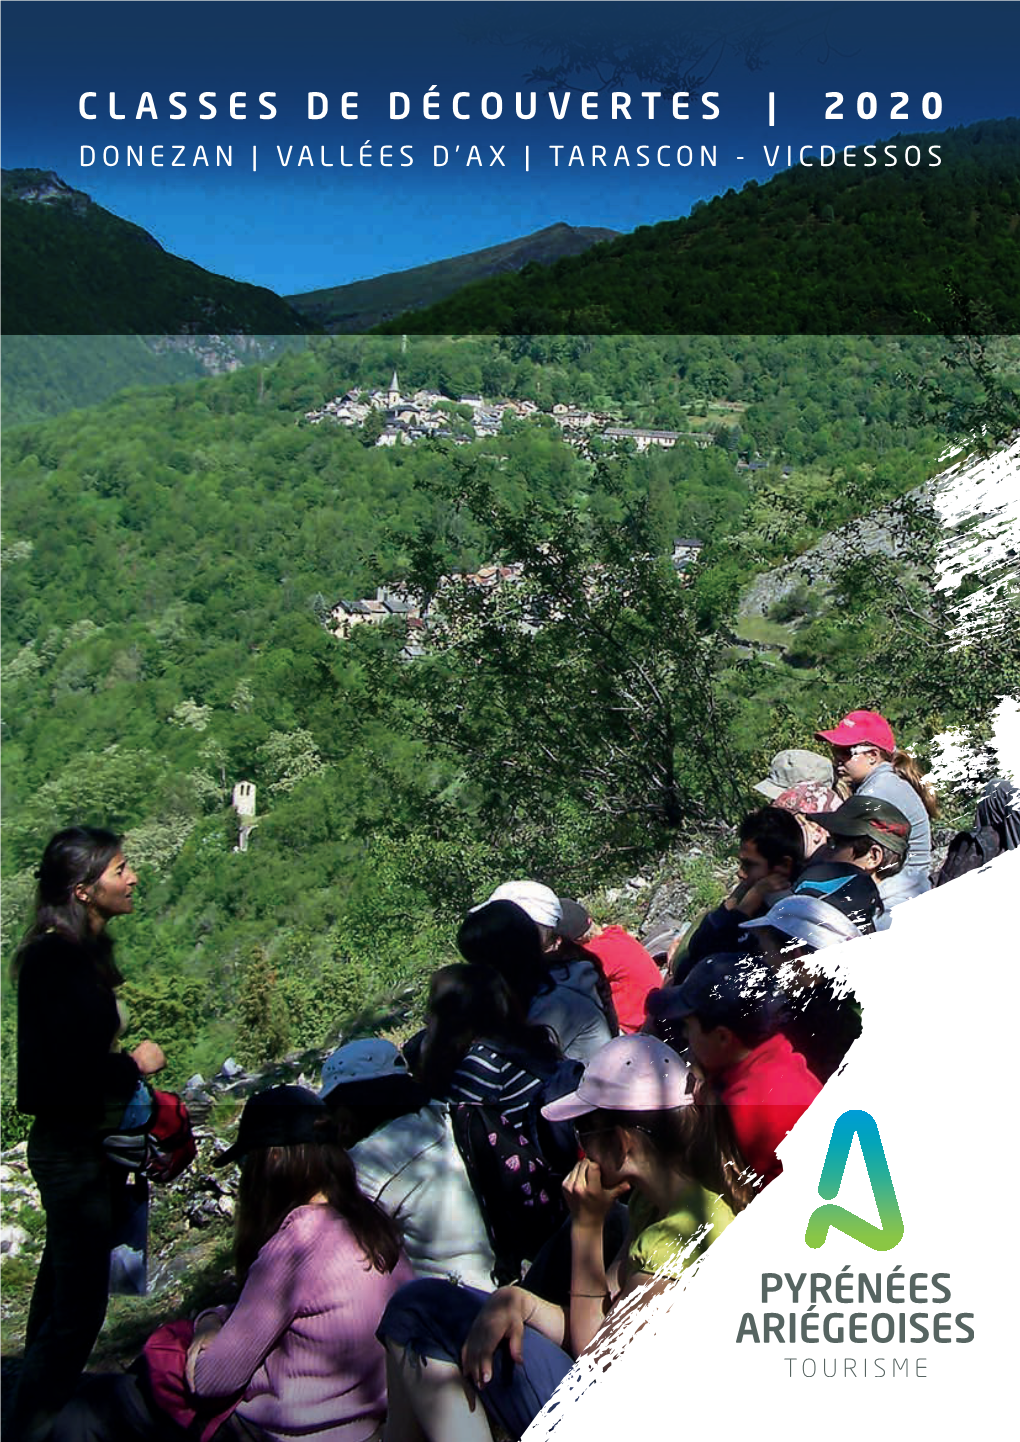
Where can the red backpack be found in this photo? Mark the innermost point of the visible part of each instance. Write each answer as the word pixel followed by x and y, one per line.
pixel 161 1148
pixel 172 1146
pixel 165 1354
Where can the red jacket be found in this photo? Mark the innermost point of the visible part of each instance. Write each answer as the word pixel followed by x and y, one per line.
pixel 630 971
pixel 764 1095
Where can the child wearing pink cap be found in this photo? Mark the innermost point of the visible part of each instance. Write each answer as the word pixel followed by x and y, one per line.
pixel 805 800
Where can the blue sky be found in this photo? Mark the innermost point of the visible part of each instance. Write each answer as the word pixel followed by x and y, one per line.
pixel 298 227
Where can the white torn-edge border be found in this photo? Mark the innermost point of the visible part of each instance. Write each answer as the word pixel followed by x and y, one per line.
pixel 978 501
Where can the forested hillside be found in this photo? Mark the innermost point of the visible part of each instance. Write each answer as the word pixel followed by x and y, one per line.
pixel 363 304
pixel 169 558
pixel 45 375
pixel 73 268
pixel 813 250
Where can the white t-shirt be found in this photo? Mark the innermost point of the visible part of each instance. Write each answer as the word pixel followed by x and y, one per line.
pixel 413 1168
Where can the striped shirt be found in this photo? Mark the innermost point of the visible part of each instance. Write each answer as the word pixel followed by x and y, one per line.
pixel 487 1077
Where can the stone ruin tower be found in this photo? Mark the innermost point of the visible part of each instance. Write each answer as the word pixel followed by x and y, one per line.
pixel 243 802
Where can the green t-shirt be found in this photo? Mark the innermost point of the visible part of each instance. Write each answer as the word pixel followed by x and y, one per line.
pixel 669 1244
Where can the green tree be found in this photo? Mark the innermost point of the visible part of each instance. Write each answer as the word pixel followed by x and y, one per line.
pixel 893 630
pixel 168 1008
pixel 584 677
pixel 662 516
pixel 975 393
pixel 263 1030
pixel 285 758
pixel 372 427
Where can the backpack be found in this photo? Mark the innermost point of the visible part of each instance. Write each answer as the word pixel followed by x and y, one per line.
pixel 516 1166
pixel 162 1146
pixel 967 851
pixel 172 1146
pixel 161 1366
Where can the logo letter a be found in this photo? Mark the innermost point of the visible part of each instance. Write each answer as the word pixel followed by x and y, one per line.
pixel 879 1239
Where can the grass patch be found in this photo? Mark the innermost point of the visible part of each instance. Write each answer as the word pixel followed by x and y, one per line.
pixel 130 1320
pixel 707 885
pixel 33 1220
pixel 225 1112
pixel 760 630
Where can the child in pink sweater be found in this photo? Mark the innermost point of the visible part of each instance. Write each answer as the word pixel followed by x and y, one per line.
pixel 297 1356
pixel 301 1339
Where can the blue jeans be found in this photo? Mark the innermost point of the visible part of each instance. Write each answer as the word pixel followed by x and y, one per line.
pixel 432 1319
pixel 80 1192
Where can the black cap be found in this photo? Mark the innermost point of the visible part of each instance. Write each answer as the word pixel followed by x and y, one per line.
pixel 726 989
pixel 574 920
pixel 870 816
pixel 279 1117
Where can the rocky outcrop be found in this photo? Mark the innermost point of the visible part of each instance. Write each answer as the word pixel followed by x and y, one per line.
pixel 880 534
pixel 668 910
pixel 220 354
pixel 41 187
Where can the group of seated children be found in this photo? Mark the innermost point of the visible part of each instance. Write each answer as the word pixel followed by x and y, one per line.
pixel 425 1246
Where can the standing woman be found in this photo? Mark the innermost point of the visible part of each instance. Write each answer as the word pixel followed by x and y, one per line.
pixel 864 753
pixel 76 1084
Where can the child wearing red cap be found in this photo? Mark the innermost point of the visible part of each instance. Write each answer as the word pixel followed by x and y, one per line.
pixel 864 753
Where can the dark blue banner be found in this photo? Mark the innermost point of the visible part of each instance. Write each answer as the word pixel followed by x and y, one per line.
pixel 302 145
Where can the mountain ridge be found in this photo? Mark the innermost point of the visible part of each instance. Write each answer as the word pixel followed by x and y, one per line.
pixel 73 268
pixel 873 248
pixel 362 304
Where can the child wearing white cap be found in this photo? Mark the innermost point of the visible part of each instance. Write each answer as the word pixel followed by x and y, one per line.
pixel 512 932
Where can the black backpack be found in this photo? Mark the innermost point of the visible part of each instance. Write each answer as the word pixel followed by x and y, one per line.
pixel 967 851
pixel 516 1165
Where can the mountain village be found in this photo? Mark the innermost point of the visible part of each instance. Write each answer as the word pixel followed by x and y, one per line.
pixel 424 414
pixel 428 414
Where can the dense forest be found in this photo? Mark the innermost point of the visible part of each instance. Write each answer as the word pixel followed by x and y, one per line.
pixel 814 250
pixel 45 375
pixel 170 556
